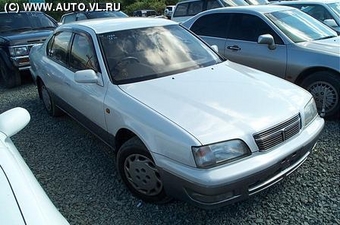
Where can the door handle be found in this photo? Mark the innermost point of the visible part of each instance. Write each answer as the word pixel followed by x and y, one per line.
pixel 234 48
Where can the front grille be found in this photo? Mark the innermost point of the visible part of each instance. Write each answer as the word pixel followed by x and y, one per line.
pixel 278 134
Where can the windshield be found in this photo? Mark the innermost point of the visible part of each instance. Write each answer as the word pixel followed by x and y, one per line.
pixel 103 14
pixel 147 53
pixel 335 7
pixel 24 21
pixel 299 26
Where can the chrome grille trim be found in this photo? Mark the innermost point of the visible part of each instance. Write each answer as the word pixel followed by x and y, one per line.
pixel 278 134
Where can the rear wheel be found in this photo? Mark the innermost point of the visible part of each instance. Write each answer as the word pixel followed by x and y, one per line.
pixel 139 172
pixel 48 101
pixel 11 78
pixel 325 88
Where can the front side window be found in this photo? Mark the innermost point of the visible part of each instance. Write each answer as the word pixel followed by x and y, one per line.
pixel 82 55
pixel 57 47
pixel 148 53
pixel 300 27
pixel 247 27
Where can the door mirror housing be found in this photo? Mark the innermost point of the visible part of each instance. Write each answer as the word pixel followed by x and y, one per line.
pixel 267 39
pixel 330 22
pixel 86 76
pixel 214 47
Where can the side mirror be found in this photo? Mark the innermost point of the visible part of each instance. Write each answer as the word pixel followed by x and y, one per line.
pixel 86 76
pixel 330 22
pixel 267 39
pixel 13 120
pixel 214 47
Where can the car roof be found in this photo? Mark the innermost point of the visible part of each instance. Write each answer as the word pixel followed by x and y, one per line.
pixel 104 25
pixel 250 8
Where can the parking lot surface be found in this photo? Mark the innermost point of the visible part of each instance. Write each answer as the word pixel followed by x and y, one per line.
pixel 78 173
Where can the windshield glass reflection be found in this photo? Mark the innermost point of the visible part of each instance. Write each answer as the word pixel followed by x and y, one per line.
pixel 140 54
pixel 299 26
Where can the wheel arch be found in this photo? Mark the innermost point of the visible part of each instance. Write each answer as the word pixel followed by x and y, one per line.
pixel 311 70
pixel 122 136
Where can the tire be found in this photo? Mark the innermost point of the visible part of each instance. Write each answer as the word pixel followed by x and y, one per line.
pixel 48 101
pixel 11 78
pixel 139 172
pixel 325 88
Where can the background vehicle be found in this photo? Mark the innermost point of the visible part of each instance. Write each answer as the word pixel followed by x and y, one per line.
pixel 281 41
pixel 145 13
pixel 186 9
pixel 18 33
pixel 76 16
pixel 127 86
pixel 326 11
pixel 169 9
pixel 23 201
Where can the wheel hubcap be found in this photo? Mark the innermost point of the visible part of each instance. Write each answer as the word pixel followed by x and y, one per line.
pixel 46 98
pixel 143 175
pixel 324 94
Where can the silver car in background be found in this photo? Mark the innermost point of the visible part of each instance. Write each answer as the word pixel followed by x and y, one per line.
pixel 326 11
pixel 279 40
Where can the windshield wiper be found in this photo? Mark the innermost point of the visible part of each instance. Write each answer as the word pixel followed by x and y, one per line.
pixel 46 27
pixel 20 29
pixel 330 36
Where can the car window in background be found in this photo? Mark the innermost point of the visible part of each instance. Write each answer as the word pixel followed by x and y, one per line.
pixel 335 7
pixel 159 51
pixel 234 2
pixel 305 28
pixel 68 18
pixel 212 25
pixel 104 14
pixel 57 47
pixel 29 21
pixel 82 55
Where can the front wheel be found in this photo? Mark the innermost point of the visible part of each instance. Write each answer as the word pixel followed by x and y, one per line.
pixel 139 172
pixel 325 88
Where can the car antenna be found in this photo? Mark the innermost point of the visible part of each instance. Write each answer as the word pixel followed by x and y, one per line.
pixel 322 114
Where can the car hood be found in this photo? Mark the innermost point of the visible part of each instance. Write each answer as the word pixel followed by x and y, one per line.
pixel 329 45
pixel 26 37
pixel 226 99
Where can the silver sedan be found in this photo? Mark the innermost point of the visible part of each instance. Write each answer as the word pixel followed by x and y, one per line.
pixel 279 40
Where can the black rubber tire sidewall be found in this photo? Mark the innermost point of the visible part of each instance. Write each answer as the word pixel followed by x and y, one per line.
pixel 11 78
pixel 133 146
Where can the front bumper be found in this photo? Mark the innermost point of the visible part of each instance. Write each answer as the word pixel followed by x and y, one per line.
pixel 216 187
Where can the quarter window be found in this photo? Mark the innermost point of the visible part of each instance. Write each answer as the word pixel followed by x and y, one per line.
pixel 58 46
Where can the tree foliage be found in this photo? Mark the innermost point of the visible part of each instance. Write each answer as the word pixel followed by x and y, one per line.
pixel 128 6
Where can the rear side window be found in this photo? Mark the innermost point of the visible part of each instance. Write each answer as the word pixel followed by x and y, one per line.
pixel 213 25
pixel 188 8
pixel 57 47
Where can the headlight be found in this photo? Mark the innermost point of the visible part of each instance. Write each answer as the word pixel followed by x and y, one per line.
pixel 310 112
pixel 210 155
pixel 18 51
